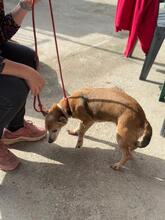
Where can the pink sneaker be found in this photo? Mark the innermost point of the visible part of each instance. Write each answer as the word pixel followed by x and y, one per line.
pixel 8 161
pixel 28 133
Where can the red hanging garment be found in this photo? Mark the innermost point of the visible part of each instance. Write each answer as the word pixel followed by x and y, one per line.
pixel 139 17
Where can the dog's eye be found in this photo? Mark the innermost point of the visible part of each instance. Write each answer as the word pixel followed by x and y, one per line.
pixel 55 130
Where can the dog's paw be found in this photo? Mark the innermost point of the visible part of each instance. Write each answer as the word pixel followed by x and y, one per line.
pixel 79 144
pixel 78 147
pixel 72 132
pixel 116 166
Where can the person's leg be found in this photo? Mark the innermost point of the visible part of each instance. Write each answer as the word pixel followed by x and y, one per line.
pixel 18 129
pixel 20 54
pixel 13 93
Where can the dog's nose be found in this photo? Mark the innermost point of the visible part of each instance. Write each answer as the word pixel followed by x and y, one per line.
pixel 50 140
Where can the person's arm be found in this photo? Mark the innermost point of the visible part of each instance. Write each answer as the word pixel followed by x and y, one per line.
pixel 30 75
pixel 21 10
pixel 11 22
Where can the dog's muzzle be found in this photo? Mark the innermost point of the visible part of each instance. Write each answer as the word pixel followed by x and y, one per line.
pixel 50 140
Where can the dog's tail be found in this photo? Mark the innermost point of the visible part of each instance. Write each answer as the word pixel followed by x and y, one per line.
pixel 146 137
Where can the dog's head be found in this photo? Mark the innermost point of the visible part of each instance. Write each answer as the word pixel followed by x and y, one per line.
pixel 54 121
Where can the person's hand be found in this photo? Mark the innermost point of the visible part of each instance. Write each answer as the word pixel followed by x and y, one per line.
pixel 35 82
pixel 32 77
pixel 30 2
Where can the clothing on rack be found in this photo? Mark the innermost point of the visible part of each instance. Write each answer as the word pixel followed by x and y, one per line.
pixel 139 17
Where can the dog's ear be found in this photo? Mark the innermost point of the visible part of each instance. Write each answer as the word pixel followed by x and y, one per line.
pixel 63 120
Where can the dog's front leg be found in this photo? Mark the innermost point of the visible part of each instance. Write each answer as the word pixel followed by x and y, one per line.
pixel 84 126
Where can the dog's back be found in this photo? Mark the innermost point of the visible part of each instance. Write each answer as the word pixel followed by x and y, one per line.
pixel 106 104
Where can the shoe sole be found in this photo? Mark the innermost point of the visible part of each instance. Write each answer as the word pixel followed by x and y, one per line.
pixel 7 168
pixel 21 139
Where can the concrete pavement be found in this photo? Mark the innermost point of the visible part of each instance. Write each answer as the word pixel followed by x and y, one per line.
pixel 57 182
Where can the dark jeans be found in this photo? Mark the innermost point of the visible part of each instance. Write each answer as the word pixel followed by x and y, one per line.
pixel 13 90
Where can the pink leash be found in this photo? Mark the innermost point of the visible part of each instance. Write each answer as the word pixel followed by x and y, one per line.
pixel 37 98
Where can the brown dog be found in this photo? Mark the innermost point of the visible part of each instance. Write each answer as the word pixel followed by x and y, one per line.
pixel 98 105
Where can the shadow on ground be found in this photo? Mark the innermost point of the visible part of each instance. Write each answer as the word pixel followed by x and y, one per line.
pixel 79 184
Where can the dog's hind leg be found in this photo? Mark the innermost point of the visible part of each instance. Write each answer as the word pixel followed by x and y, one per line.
pixel 133 147
pixel 84 126
pixel 126 155
pixel 124 142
